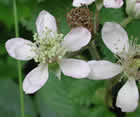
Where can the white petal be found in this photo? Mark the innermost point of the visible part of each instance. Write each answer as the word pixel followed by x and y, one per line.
pixel 74 68
pixel 115 37
pixel 113 3
pixel 76 39
pixel 78 3
pixel 128 96
pixel 45 20
pixel 100 70
pixel 19 49
pixel 35 79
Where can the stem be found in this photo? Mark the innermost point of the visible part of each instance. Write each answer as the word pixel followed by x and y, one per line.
pixel 126 21
pixel 20 88
pixel 18 62
pixel 93 51
pixel 96 21
pixel 92 46
pixel 99 5
pixel 110 83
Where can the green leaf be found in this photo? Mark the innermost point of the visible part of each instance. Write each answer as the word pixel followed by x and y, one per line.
pixel 110 14
pixel 133 29
pixel 101 111
pixel 135 113
pixel 43 108
pixel 70 97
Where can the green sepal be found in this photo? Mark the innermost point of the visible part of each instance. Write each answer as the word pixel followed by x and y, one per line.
pixel 54 67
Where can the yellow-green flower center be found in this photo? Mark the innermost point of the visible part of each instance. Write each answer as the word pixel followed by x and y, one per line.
pixel 48 47
pixel 132 67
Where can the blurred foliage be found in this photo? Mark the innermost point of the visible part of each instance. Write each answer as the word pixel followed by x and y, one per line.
pixel 10 103
pixel 58 98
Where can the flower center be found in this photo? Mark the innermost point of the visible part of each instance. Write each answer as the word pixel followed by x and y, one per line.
pixel 48 48
pixel 131 66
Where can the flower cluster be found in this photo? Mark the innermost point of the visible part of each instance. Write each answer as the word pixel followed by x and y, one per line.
pixel 50 48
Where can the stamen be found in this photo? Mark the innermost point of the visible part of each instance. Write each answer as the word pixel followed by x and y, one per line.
pixel 48 48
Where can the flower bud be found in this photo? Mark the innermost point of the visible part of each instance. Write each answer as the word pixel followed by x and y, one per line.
pixel 133 8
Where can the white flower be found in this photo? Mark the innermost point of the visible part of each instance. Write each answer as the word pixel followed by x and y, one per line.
pixel 49 48
pixel 116 39
pixel 107 3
